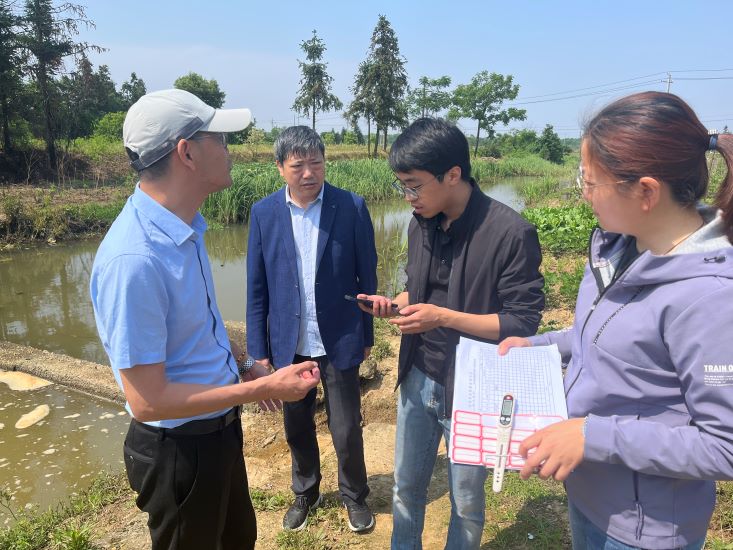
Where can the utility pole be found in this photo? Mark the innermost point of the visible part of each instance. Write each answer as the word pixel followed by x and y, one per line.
pixel 669 81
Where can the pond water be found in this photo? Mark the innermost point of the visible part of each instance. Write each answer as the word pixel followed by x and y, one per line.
pixel 44 303
pixel 55 457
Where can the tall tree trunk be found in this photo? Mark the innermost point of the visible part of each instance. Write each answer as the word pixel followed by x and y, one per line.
pixel 314 115
pixel 376 139
pixel 48 136
pixel 369 137
pixel 384 145
pixel 6 124
pixel 478 132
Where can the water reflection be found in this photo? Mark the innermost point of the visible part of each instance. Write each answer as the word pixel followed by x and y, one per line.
pixel 45 302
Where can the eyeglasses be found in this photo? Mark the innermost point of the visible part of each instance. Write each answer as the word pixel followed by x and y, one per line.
pixel 410 193
pixel 219 136
pixel 583 186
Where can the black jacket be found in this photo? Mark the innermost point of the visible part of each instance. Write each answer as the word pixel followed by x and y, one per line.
pixel 496 263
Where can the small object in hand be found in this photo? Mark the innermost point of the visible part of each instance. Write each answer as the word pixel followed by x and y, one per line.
pixel 245 366
pixel 364 301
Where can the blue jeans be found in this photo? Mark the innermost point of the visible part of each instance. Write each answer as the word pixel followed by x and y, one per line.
pixel 586 536
pixel 420 425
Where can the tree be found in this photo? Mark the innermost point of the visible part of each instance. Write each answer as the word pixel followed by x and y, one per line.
pixel 206 90
pixel 315 84
pixel 430 97
pixel 549 145
pixel 482 99
pixel 47 34
pixel 110 126
pixel 363 103
pixel 85 96
pixel 132 90
pixel 10 74
pixel 388 79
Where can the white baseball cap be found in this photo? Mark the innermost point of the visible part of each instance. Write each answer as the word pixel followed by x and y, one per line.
pixel 159 120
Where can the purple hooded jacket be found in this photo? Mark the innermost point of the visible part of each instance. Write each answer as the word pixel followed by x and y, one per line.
pixel 650 362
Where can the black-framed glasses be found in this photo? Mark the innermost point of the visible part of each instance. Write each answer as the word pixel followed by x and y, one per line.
pixel 220 136
pixel 410 193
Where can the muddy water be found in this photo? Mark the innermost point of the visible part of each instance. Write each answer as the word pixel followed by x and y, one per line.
pixel 44 291
pixel 47 461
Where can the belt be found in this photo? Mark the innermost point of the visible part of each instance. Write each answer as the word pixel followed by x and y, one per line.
pixel 197 427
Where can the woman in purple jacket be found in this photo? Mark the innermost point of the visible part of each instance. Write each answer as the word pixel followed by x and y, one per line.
pixel 649 384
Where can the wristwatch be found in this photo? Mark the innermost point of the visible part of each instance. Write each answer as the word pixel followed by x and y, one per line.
pixel 245 366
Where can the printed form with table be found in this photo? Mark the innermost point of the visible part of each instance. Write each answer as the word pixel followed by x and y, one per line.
pixel 532 376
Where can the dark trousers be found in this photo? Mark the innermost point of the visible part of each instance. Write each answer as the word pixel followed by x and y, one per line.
pixel 343 410
pixel 193 487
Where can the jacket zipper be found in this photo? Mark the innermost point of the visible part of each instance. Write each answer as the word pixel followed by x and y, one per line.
pixel 601 292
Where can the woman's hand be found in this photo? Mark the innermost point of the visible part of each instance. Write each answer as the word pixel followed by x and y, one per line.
pixel 513 342
pixel 556 450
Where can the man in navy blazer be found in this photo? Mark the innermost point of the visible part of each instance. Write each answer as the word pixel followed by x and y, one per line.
pixel 309 245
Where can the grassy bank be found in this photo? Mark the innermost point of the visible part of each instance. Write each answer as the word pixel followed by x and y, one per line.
pixel 73 210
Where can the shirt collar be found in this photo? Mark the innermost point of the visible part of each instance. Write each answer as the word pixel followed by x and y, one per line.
pixel 174 227
pixel 289 200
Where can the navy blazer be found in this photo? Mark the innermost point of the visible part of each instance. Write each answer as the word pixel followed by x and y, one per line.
pixel 346 263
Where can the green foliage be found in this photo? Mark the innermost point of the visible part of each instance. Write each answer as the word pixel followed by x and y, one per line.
pixel 109 126
pixel 481 100
pixel 430 97
pixel 315 83
pixel 34 530
pixel 386 79
pixel 549 145
pixel 73 537
pixel 516 165
pixel 563 229
pixel 86 96
pixel 562 279
pixel 206 90
pixel 132 90
pixel 269 501
pixel 48 33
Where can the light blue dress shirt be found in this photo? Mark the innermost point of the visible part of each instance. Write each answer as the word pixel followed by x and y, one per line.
pixel 154 301
pixel 306 224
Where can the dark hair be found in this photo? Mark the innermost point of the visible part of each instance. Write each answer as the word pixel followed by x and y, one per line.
pixel 156 170
pixel 297 141
pixel 431 144
pixel 658 135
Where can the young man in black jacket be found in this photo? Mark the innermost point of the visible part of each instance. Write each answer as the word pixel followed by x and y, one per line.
pixel 472 269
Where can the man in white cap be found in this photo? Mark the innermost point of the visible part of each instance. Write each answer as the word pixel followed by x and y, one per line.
pixel 157 317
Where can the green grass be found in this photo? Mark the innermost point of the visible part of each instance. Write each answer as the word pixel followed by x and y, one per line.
pixel 35 530
pixel 269 500
pixel 562 279
pixel 526 514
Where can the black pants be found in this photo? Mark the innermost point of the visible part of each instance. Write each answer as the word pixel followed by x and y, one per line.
pixel 193 487
pixel 343 409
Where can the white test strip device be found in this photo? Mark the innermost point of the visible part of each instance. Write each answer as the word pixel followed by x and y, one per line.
pixel 503 439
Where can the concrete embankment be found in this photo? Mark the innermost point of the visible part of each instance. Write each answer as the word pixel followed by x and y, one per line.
pixel 81 375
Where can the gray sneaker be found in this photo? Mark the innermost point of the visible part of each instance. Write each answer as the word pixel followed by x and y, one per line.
pixel 296 518
pixel 360 517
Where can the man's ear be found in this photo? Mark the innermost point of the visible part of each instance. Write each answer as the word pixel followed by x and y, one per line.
pixel 280 168
pixel 185 153
pixel 453 175
pixel 650 190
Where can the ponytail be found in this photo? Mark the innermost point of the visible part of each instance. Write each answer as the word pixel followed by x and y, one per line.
pixel 724 199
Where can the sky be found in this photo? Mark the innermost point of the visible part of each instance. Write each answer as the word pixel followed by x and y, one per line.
pixel 569 58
